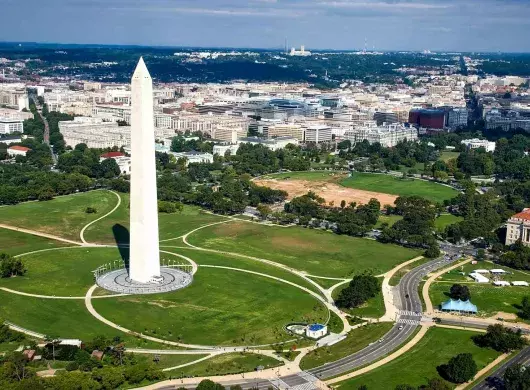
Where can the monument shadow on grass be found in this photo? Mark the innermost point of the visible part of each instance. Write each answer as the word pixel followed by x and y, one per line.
pixel 123 241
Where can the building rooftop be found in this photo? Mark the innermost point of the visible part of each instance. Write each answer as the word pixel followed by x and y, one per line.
pixel 21 148
pixel 315 327
pixel 525 214
pixel 112 155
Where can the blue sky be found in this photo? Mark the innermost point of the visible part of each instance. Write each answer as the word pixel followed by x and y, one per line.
pixel 459 25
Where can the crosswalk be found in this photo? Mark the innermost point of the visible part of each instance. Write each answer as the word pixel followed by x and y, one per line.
pixel 304 386
pixel 406 321
pixel 409 313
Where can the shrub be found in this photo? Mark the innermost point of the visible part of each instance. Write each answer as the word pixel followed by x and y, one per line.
pixel 91 210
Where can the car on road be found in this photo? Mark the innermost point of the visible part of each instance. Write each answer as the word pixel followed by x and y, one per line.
pixel 400 327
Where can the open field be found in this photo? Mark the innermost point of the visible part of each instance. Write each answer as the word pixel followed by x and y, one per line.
pixel 372 308
pixel 357 339
pixel 445 220
pixel 307 175
pixel 419 364
pixel 167 361
pixel 488 298
pixel 17 243
pixel 220 307
pixel 328 190
pixel 170 225
pixel 230 363
pixel 316 252
pixel 399 187
pixel 64 216
pixel 446 156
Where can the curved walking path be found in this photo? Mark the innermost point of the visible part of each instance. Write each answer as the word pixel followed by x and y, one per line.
pixel 56 297
pixel 39 234
pixel 82 234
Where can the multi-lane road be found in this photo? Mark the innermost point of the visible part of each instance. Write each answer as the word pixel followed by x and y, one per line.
pixel 495 381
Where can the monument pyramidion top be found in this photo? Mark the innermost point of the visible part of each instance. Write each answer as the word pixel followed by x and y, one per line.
pixel 141 71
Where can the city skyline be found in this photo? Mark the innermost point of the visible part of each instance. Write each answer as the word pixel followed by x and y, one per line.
pixel 318 24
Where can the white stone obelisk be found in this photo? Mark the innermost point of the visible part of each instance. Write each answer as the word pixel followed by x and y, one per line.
pixel 144 248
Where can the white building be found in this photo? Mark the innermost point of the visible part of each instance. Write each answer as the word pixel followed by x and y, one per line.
pixel 316 331
pixel 387 135
pixel 222 149
pixel 476 143
pixel 273 144
pixel 300 53
pixel 194 157
pixel 8 126
pixel 501 283
pixel 520 283
pixel 16 150
pixel 318 134
pixel 477 277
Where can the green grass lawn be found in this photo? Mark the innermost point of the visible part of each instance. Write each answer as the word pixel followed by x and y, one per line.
pixel 445 220
pixel 230 363
pixel 220 307
pixel 170 225
pixel 63 272
pixel 167 361
pixel 63 216
pixel 316 252
pixel 209 258
pixel 390 219
pixel 357 339
pixel 418 365
pixel 446 156
pixel 397 186
pixel 488 298
pixel 372 308
pixel 326 283
pixel 17 243
pixel 307 175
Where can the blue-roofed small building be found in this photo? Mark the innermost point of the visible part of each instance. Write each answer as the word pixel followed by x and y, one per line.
pixel 459 306
pixel 316 331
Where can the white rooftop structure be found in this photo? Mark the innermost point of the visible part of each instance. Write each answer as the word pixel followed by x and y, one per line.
pixel 520 283
pixel 482 271
pixel 478 277
pixel 498 271
pixel 501 283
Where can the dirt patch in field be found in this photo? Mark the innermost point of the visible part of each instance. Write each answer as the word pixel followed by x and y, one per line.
pixel 504 315
pixel 331 192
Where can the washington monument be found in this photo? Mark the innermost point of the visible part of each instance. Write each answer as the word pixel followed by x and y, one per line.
pixel 144 264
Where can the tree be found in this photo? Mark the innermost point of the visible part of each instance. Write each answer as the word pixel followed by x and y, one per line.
pixel 481 254
pixel 110 378
pixel 207 384
pixel 458 291
pixel 433 251
pixel 53 341
pixel 360 289
pixel 500 339
pixel 461 368
pixel 264 211
pixel 525 308
pixel 517 377
pixel 109 169
pixel 436 384
pixel 10 266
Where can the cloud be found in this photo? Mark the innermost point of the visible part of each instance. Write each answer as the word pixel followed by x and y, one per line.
pixel 383 5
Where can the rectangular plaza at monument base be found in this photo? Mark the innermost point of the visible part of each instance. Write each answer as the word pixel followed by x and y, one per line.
pixel 144 250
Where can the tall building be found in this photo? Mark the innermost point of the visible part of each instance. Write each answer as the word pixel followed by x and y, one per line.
pixel 318 134
pixel 429 118
pixel 388 136
pixel 144 264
